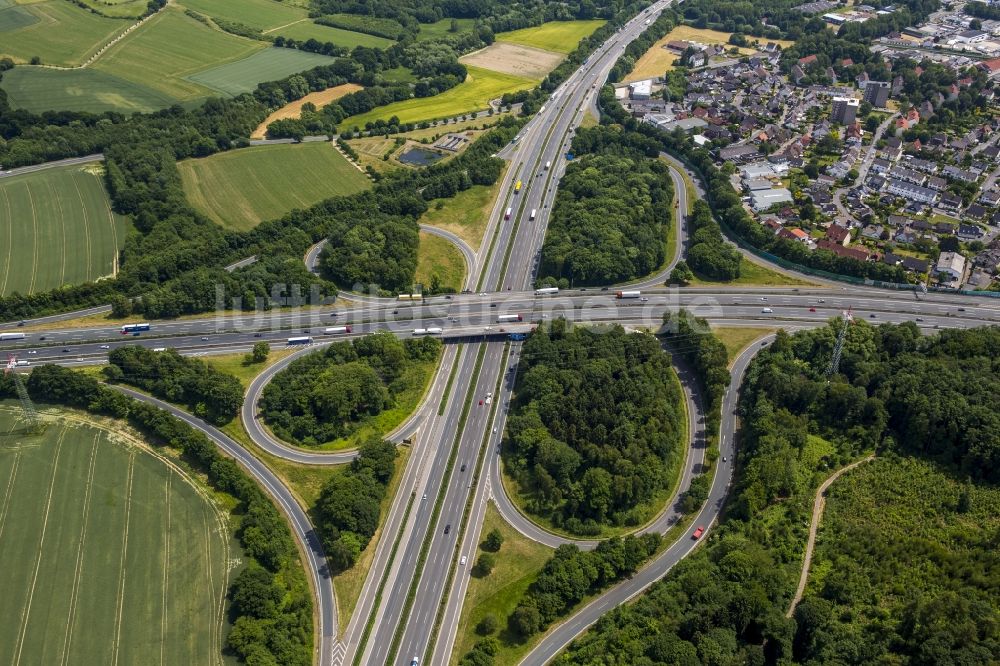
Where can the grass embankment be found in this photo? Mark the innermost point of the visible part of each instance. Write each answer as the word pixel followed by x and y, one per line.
pixel 467 214
pixel 754 274
pixel 737 338
pixel 518 563
pixel 438 257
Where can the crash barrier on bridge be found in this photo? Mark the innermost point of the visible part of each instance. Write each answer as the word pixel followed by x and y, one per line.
pixel 791 265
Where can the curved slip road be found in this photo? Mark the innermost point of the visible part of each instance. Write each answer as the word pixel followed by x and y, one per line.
pixel 302 528
pixel 561 636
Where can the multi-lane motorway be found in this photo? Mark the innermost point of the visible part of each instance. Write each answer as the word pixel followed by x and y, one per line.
pixel 411 602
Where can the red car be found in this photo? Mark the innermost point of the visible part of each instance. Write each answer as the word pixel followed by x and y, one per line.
pixel 812 309
pixel 480 403
pixel 697 533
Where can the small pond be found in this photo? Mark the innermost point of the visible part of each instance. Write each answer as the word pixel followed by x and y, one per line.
pixel 419 157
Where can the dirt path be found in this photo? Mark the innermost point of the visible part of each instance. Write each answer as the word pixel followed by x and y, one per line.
pixel 818 504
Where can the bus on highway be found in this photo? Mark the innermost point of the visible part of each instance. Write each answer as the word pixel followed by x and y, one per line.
pixel 134 328
pixel 517 187
pixel 427 331
pixel 11 336
pixel 302 340
pixel 337 330
pixel 543 291
pixel 509 317
pixel 532 217
pixel 506 215
pixel 410 297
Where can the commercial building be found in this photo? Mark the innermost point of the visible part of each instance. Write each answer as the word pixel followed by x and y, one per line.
pixel 845 110
pixel 641 89
pixel 764 199
pixel 877 93
pixel 951 265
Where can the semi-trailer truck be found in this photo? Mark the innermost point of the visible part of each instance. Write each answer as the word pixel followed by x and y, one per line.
pixel 548 164
pixel 11 336
pixel 300 340
pixel 506 215
pixel 134 328
pixel 543 291
pixel 427 331
pixel 337 330
pixel 628 294
pixel 508 318
pixel 532 217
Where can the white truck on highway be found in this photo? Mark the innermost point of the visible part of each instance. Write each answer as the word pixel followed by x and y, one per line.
pixel 548 165
pixel 11 336
pixel 544 291
pixel 531 218
pixel 628 294
pixel 427 331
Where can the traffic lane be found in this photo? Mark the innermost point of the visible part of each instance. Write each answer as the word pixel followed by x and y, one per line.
pixel 393 603
pixel 442 551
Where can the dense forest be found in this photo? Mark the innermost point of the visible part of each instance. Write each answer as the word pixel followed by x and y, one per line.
pixel 596 425
pixel 271 599
pixel 922 404
pixel 611 214
pixel 350 503
pixel 209 393
pixel 327 394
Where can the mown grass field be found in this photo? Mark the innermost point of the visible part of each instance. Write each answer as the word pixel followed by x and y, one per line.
pixel 241 188
pixel 737 338
pixel 518 563
pixel 271 64
pixel 283 19
pixel 752 273
pixel 306 29
pixel 558 36
pixel 438 256
pixel 39 89
pixel 170 47
pixel 466 214
pixel 442 28
pixel 56 228
pixel 58 32
pixel 111 555
pixel 474 94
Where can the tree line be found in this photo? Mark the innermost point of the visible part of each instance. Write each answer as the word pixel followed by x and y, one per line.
pixel 568 577
pixel 349 505
pixel 328 394
pixel 595 428
pixel 209 393
pixel 271 600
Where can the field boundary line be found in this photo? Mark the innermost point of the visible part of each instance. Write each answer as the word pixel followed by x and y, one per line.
pixel 62 228
pixel 120 601
pixel 114 234
pixel 7 492
pixel 166 566
pixel 208 570
pixel 86 228
pixel 268 32
pixel 10 240
pixel 26 609
pixel 74 594
pixel 34 242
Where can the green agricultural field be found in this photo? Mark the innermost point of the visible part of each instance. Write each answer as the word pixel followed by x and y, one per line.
pixel 260 14
pixel 268 65
pixel 39 89
pixel 57 31
pixel 473 94
pixel 442 28
pixel 56 228
pixel 111 554
pixel 438 256
pixel 306 29
pixel 170 47
pixel 558 36
pixel 241 188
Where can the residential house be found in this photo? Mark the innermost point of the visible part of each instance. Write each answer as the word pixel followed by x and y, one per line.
pixel 911 191
pixel 838 234
pixel 951 265
pixel 859 253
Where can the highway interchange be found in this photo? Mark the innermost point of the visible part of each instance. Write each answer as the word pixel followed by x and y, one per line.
pixel 411 601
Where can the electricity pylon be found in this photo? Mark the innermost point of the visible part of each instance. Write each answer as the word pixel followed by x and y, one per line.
pixel 839 347
pixel 27 406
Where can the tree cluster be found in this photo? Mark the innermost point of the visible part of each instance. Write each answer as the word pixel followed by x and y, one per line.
pixel 595 428
pixel 708 254
pixel 327 394
pixel 211 394
pixel 610 214
pixel 350 503
pixel 272 606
